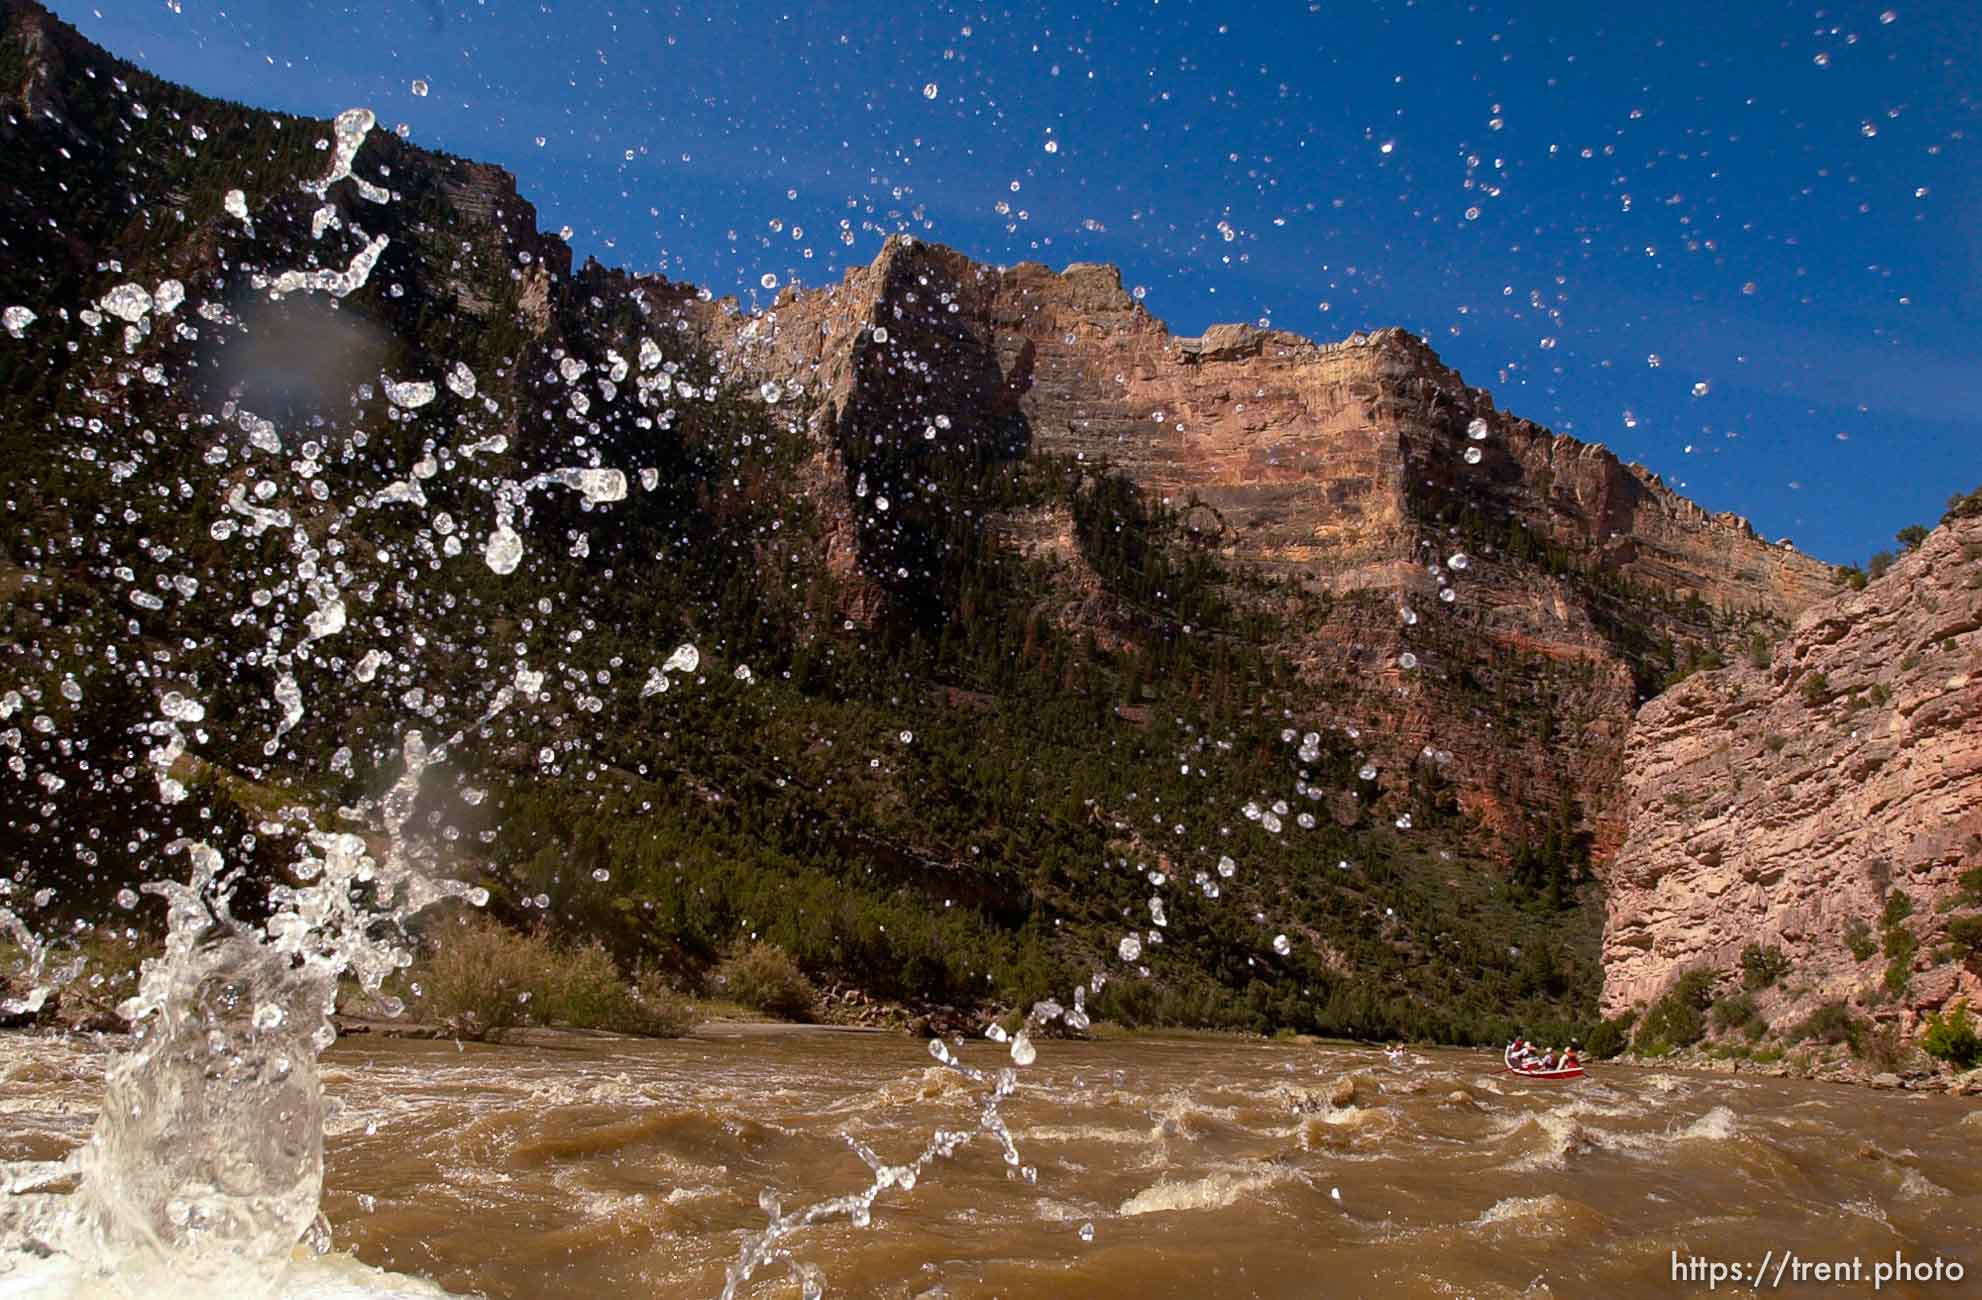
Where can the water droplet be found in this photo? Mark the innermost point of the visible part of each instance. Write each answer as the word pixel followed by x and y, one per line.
pixel 929 91
pixel 1129 948
pixel 505 550
pixel 420 88
pixel 1282 944
pixel 1087 1232
pixel 409 396
pixel 1023 1052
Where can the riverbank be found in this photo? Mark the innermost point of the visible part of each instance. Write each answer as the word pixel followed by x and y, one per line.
pixel 1818 1067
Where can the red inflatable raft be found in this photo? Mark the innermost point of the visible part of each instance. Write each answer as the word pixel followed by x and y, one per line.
pixel 1532 1072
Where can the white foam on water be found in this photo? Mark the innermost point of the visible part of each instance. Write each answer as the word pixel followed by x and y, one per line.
pixel 335 1276
pixel 1563 1138
pixel 1214 1191
pixel 1917 1186
pixel 1516 1208
pixel 1717 1125
pixel 1084 1133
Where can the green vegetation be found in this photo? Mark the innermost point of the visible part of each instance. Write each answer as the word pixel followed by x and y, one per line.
pixel 1695 659
pixel 1676 1020
pixel 1951 1037
pixel 1610 1037
pixel 763 977
pixel 1830 1023
pixel 1881 1048
pixel 1762 966
pixel 1738 1012
pixel 1900 946
pixel 1963 505
pixel 1545 871
pixel 483 979
pixel 1858 937
pixel 1964 936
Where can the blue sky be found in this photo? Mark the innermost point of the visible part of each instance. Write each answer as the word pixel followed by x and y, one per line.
pixel 1780 203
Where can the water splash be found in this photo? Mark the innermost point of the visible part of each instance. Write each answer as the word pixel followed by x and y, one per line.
pixel 991 1090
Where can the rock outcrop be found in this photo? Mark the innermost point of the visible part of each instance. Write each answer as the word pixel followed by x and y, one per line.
pixel 1790 804
pixel 1353 469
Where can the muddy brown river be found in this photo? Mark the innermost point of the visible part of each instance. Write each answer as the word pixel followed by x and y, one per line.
pixel 605 1167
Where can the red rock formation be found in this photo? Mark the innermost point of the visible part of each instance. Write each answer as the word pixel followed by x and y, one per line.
pixel 1784 804
pixel 1339 465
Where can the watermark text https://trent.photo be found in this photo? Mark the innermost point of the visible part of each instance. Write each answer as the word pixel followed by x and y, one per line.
pixel 1785 1268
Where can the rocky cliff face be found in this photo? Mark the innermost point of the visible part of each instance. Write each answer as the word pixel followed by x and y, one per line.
pixel 1825 802
pixel 1354 469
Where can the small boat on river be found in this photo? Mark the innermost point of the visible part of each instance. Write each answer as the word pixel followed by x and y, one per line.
pixel 1535 1071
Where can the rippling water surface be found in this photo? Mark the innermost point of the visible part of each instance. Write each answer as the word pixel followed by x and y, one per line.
pixel 616 1167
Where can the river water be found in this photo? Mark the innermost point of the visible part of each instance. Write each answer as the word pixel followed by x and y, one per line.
pixel 1205 1167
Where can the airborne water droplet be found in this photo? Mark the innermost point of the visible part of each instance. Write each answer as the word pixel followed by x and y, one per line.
pixel 505 549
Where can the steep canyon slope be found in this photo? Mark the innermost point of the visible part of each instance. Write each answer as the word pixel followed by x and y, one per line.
pixel 1343 469
pixel 1824 801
